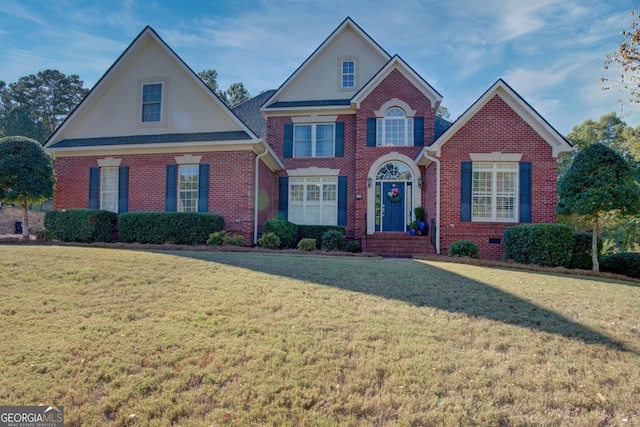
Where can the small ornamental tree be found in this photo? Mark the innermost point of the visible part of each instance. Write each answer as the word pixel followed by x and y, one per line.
pixel 26 175
pixel 599 181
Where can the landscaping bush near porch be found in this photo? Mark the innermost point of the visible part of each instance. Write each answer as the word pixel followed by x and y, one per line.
pixel 542 244
pixel 81 225
pixel 191 228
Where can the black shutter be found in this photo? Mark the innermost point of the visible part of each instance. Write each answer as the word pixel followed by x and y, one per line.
pixel 203 188
pixel 339 139
pixel 123 189
pixel 172 175
pixel 418 131
pixel 283 198
pixel 342 201
pixel 94 180
pixel 371 132
pixel 288 141
pixel 525 191
pixel 465 191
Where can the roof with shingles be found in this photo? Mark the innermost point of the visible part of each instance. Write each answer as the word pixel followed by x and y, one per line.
pixel 312 103
pixel 153 139
pixel 441 125
pixel 249 113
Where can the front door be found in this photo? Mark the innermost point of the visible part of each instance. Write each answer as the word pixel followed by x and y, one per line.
pixel 393 210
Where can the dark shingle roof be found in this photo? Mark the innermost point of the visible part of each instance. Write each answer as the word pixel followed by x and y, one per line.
pixel 153 139
pixel 441 125
pixel 313 103
pixel 249 113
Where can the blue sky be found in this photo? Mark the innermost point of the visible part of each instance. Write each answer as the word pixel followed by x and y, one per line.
pixel 549 51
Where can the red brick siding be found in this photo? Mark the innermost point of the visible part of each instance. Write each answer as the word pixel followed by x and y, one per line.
pixel 266 202
pixel 275 138
pixel 394 86
pixel 231 181
pixel 496 127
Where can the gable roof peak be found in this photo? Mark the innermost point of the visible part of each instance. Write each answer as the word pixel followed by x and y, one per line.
pixel 347 23
pixel 518 104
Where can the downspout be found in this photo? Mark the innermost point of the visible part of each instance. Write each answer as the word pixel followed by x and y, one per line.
pixel 256 195
pixel 437 162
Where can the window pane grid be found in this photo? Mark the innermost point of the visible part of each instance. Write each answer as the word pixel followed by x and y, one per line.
pixel 495 191
pixel 109 189
pixel 152 102
pixel 394 129
pixel 313 201
pixel 188 176
pixel 348 73
pixel 316 140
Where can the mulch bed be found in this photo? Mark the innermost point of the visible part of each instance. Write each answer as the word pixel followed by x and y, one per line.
pixel 17 240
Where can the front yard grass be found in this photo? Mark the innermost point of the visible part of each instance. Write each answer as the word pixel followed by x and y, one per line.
pixel 183 338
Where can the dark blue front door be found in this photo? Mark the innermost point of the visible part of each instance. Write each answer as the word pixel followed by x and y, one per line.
pixel 393 218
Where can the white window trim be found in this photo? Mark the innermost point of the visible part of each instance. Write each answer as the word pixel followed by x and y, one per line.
pixel 494 196
pixel 313 140
pixel 381 124
pixel 164 81
pixel 102 186
pixel 356 67
pixel 322 205
pixel 179 191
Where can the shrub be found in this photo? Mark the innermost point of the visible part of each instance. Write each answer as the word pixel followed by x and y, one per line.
pixel 464 248
pixel 627 264
pixel 285 230
pixel 316 232
pixel 269 241
pixel 233 240
pixel 81 225
pixel 419 213
pixel 332 240
pixel 581 252
pixel 542 244
pixel 180 228
pixel 44 235
pixel 354 247
pixel 307 245
pixel 217 239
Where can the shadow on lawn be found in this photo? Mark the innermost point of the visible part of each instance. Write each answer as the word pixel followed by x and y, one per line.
pixel 416 283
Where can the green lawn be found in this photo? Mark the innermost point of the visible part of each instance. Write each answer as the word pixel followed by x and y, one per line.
pixel 212 338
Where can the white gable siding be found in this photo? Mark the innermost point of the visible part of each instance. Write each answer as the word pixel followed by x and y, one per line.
pixel 114 111
pixel 320 78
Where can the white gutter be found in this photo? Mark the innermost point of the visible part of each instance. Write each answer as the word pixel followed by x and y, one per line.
pixel 437 162
pixel 256 195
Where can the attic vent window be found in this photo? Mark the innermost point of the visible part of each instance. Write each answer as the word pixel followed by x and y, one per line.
pixel 348 74
pixel 151 102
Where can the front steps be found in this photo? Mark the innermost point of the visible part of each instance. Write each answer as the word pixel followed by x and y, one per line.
pixel 397 245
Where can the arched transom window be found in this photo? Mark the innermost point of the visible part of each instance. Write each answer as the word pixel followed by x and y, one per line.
pixel 394 172
pixel 395 128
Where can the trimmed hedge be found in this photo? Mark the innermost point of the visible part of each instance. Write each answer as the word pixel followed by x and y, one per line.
pixel 333 240
pixel 627 264
pixel 81 225
pixel 581 253
pixel 269 241
pixel 542 244
pixel 353 247
pixel 286 231
pixel 190 228
pixel 316 232
pixel 464 248
pixel 307 245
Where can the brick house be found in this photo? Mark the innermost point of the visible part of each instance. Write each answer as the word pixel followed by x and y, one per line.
pixel 350 138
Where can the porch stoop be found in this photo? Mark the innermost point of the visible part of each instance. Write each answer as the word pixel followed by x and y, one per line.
pixel 398 245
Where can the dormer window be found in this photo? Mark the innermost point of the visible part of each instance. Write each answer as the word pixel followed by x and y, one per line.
pixel 348 74
pixel 151 102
